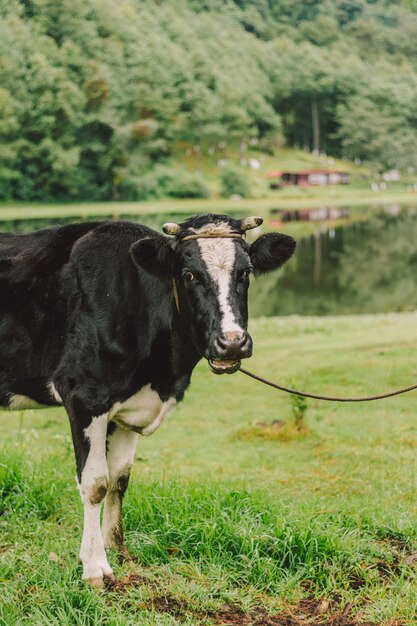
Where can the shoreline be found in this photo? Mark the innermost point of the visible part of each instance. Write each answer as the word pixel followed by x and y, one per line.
pixel 18 211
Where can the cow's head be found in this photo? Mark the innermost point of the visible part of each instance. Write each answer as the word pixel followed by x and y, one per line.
pixel 209 264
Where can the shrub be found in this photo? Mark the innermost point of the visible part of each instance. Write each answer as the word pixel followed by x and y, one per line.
pixel 164 181
pixel 298 408
pixel 234 182
pixel 187 185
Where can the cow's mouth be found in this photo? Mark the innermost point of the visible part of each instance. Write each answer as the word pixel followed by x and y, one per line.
pixel 224 367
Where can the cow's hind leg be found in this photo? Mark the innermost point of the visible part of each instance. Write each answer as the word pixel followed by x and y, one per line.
pixel 93 479
pixel 120 455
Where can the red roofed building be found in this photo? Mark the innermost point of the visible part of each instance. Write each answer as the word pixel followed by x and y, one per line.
pixel 303 178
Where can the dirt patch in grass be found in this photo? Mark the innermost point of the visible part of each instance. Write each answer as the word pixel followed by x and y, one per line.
pixel 131 580
pixel 307 612
pixel 403 555
pixel 177 607
pixel 277 430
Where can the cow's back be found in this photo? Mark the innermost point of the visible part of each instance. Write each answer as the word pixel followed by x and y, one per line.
pixel 25 257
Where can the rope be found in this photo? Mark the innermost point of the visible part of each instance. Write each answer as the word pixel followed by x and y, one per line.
pixel 175 292
pixel 211 236
pixel 328 398
pixel 295 392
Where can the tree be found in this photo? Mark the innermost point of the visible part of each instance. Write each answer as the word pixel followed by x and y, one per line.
pixel 94 94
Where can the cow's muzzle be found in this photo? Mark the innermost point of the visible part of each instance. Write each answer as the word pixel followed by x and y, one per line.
pixel 230 347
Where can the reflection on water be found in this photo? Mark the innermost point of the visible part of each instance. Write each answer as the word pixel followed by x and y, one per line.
pixel 309 214
pixel 153 220
pixel 363 267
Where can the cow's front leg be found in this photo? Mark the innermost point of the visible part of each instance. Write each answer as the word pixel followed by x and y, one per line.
pixel 120 456
pixel 92 475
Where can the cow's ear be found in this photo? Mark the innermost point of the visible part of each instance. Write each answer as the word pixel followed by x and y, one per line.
pixel 270 251
pixel 156 256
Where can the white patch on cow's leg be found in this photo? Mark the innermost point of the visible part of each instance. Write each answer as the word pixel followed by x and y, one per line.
pixel 219 256
pixel 93 488
pixel 120 456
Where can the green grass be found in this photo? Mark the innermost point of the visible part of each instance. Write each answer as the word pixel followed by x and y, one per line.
pixel 285 199
pixel 215 517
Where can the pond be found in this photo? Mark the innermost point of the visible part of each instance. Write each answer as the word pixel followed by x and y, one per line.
pixel 363 267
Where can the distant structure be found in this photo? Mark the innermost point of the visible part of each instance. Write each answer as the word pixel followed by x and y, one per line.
pixel 313 214
pixel 392 176
pixel 304 178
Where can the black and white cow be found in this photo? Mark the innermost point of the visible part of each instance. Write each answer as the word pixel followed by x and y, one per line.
pixel 109 319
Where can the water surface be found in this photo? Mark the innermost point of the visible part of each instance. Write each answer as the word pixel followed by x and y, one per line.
pixel 363 267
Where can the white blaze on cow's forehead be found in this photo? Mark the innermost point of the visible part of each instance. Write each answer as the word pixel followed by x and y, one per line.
pixel 219 256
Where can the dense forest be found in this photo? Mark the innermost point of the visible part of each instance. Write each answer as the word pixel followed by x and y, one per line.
pixel 96 96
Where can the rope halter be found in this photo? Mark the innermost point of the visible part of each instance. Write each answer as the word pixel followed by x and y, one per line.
pixel 211 230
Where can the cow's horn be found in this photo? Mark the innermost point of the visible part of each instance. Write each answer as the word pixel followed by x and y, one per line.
pixel 250 222
pixel 171 229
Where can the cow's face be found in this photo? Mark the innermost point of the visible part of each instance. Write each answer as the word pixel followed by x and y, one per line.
pixel 209 264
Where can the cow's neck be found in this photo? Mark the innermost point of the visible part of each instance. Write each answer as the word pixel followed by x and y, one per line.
pixel 172 355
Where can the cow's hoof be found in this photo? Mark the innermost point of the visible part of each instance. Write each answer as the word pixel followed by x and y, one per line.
pixel 121 553
pixel 96 582
pixel 109 581
pixel 98 575
pixel 124 555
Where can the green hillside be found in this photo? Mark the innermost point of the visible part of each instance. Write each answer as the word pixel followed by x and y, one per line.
pixel 103 100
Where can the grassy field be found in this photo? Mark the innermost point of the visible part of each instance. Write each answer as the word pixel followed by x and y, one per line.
pixel 233 519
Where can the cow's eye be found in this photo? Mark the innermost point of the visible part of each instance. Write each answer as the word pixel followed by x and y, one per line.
pixel 188 277
pixel 247 272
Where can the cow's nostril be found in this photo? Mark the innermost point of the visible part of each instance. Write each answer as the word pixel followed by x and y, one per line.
pixel 236 339
pixel 221 343
pixel 231 340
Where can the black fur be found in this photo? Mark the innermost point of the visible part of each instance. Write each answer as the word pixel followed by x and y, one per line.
pixel 90 308
pixel 270 251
